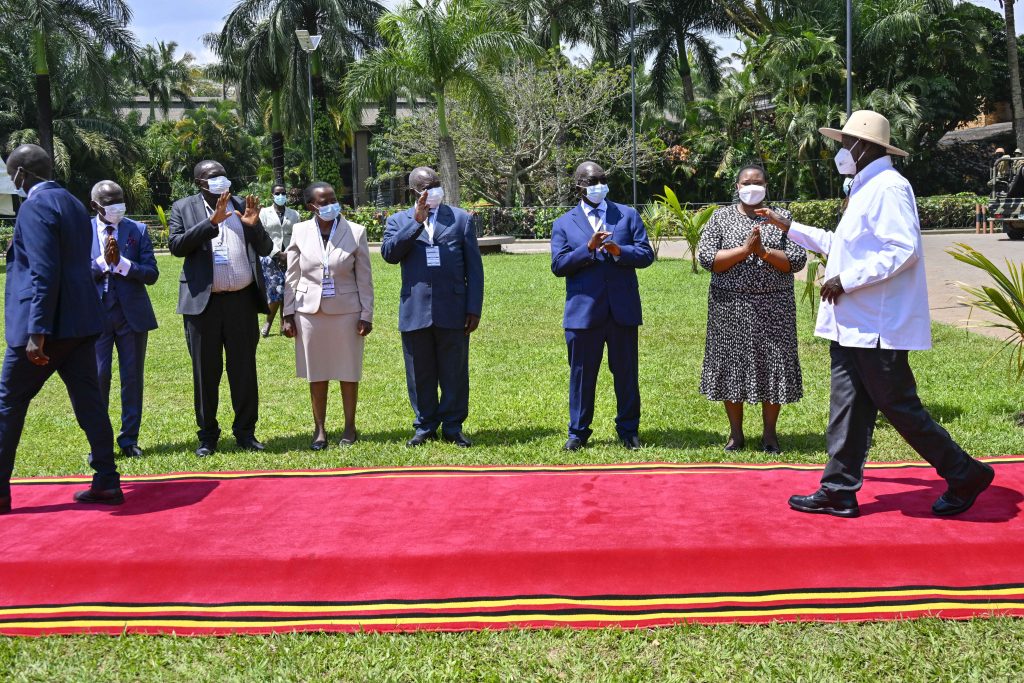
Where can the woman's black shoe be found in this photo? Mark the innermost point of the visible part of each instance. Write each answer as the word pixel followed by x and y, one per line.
pixel 773 449
pixel 734 445
pixel 319 445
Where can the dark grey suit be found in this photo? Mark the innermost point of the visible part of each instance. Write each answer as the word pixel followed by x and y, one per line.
pixel 218 325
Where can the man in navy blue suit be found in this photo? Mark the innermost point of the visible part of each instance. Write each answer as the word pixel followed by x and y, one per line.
pixel 442 296
pixel 123 265
pixel 52 317
pixel 597 247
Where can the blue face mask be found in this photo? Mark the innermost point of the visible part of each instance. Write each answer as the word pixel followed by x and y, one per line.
pixel 597 193
pixel 329 212
pixel 280 199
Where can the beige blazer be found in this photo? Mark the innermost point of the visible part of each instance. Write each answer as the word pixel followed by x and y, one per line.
pixel 348 263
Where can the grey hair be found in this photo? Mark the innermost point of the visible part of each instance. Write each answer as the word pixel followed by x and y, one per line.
pixel 98 187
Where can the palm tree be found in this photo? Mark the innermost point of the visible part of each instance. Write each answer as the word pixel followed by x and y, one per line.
pixel 87 28
pixel 1013 62
pixel 440 50
pixel 164 76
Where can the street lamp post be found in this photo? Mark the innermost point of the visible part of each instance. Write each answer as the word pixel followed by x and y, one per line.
pixel 309 44
pixel 849 58
pixel 632 81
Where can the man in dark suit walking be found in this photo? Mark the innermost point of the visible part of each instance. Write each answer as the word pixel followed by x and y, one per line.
pixel 221 294
pixel 52 317
pixel 123 265
pixel 597 247
pixel 442 296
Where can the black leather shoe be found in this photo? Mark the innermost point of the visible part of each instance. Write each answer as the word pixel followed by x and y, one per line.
pixel 318 445
pixel 574 444
pixel 459 439
pixel 251 444
pixel 960 499
pixel 100 496
pixel 205 450
pixel 420 438
pixel 631 443
pixel 770 448
pixel 132 451
pixel 5 505
pixel 821 502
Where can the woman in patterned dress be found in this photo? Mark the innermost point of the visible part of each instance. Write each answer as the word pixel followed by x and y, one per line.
pixel 750 354
pixel 278 220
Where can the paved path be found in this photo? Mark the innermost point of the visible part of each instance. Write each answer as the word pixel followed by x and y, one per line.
pixel 943 271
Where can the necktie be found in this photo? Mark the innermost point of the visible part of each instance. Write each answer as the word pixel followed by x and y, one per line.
pixel 106 281
pixel 595 215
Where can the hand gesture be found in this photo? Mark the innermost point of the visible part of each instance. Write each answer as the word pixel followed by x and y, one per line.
pixel 111 252
pixel 612 248
pixel 831 290
pixel 472 322
pixel 774 218
pixel 365 328
pixel 288 326
pixel 221 212
pixel 252 212
pixel 422 210
pixel 34 349
pixel 756 245
pixel 597 240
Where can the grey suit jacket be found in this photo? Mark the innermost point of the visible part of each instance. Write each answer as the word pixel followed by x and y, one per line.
pixel 191 236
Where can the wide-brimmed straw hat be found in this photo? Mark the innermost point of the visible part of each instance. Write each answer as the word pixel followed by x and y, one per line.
pixel 866 125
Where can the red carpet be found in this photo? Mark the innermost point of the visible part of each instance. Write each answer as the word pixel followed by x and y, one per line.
pixel 469 548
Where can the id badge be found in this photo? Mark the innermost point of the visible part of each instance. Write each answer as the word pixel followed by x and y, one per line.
pixel 220 254
pixel 327 288
pixel 433 256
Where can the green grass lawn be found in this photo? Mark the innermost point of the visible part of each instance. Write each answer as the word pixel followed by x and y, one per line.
pixel 518 414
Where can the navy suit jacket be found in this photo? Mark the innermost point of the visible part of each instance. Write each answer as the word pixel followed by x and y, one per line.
pixel 596 285
pixel 444 295
pixel 135 245
pixel 49 285
pixel 190 235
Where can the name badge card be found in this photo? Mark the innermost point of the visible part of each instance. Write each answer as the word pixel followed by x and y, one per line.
pixel 220 254
pixel 433 256
pixel 327 288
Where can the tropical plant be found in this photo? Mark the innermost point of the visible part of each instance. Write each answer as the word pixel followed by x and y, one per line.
pixel 164 76
pixel 815 278
pixel 691 223
pixel 1004 300
pixel 83 28
pixel 443 50
pixel 659 221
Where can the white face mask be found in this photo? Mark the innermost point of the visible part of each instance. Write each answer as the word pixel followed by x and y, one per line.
pixel 113 213
pixel 218 184
pixel 434 197
pixel 752 195
pixel 329 212
pixel 845 162
pixel 597 193
pixel 21 191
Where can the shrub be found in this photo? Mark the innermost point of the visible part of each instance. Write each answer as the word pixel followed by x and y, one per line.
pixel 936 213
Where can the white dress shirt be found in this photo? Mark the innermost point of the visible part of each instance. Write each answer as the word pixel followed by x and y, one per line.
pixel 121 267
pixel 876 251
pixel 596 222
pixel 236 274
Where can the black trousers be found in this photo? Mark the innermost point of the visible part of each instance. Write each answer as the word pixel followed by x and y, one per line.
pixel 435 358
pixel 74 360
pixel 228 328
pixel 864 382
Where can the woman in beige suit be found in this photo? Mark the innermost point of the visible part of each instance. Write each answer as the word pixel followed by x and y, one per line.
pixel 328 306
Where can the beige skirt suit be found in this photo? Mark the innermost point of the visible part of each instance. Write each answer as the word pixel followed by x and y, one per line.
pixel 327 341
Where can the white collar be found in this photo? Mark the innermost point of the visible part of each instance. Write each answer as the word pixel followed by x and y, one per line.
pixel 587 208
pixel 870 171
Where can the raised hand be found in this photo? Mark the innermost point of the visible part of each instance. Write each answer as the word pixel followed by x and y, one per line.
pixel 756 245
pixel 422 210
pixel 597 240
pixel 252 212
pixel 774 218
pixel 611 248
pixel 221 213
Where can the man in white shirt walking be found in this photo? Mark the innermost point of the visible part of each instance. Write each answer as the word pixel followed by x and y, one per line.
pixel 874 309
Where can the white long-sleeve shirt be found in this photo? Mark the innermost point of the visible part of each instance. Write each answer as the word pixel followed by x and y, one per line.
pixel 876 251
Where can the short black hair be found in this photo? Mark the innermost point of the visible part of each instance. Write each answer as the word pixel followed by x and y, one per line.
pixel 307 194
pixel 752 167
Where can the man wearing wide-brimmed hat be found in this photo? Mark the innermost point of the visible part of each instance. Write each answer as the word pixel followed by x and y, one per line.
pixel 874 309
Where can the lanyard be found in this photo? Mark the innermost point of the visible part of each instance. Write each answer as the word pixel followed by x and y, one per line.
pixel 326 249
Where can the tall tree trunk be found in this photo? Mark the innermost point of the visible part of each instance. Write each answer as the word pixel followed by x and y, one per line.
pixel 276 137
pixel 685 73
pixel 1013 61
pixel 449 170
pixel 152 110
pixel 44 126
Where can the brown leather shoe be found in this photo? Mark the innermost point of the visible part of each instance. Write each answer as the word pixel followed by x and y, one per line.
pixel 100 496
pixel 5 505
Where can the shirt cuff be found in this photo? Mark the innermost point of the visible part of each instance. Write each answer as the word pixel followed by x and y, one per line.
pixel 102 263
pixel 122 267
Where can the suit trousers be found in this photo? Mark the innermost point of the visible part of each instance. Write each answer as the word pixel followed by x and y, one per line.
pixel 586 351
pixel 437 357
pixel 227 329
pixel 131 361
pixel 864 382
pixel 74 360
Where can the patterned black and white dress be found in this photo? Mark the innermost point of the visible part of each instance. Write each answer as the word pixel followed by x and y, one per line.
pixel 750 354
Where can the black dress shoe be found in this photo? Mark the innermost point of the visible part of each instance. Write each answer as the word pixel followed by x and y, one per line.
pixel 251 444
pixel 631 443
pixel 5 505
pixel 821 502
pixel 132 451
pixel 574 444
pixel 205 450
pixel 346 441
pixel 770 448
pixel 318 445
pixel 459 439
pixel 100 496
pixel 420 438
pixel 960 499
